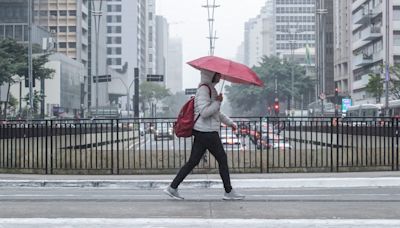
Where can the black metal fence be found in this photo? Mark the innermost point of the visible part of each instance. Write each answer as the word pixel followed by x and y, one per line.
pixel 143 146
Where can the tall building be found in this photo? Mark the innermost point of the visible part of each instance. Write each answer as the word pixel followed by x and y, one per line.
pixel 151 36
pixel 174 78
pixel 324 48
pixel 162 36
pixel 68 21
pixel 294 25
pixel 14 22
pixel 259 36
pixel 342 46
pixel 126 42
pixel 375 41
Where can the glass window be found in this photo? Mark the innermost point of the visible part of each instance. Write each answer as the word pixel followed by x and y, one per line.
pixel 72 13
pixel 72 45
pixel 62 45
pixel 62 29
pixel 71 28
pixel 63 13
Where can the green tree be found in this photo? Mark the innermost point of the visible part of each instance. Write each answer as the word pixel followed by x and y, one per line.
pixel 375 86
pixel 13 61
pixel 395 81
pixel 174 104
pixel 151 93
pixel 250 100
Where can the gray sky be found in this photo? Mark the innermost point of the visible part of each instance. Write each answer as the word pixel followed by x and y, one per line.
pixel 188 20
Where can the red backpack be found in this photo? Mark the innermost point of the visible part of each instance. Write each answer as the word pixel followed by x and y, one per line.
pixel 184 124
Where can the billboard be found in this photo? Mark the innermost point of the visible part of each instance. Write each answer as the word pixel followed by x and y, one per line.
pixel 346 103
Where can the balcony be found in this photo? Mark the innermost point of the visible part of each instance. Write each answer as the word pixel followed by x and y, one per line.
pixel 357 4
pixel 362 60
pixel 396 50
pixel 373 33
pixel 365 15
pixel 362 83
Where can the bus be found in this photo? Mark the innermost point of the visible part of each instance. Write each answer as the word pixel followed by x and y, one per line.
pixel 394 108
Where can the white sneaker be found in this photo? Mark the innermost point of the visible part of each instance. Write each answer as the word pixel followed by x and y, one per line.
pixel 173 193
pixel 233 195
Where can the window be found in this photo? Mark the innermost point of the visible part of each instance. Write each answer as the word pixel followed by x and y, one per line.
pixel 396 13
pixel 71 28
pixel 62 29
pixel 63 13
pixel 62 45
pixel 53 13
pixel 72 13
pixel 72 45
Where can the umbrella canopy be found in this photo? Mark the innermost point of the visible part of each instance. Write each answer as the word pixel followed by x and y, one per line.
pixel 231 71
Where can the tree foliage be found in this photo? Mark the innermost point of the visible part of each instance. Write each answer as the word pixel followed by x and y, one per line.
pixel 151 93
pixel 375 86
pixel 250 100
pixel 395 81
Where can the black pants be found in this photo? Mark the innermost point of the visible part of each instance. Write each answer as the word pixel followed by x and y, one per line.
pixel 205 141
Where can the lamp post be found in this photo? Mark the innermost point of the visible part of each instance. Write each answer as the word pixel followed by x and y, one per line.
pixel 30 67
pixel 97 16
pixel 387 74
pixel 292 41
pixel 128 89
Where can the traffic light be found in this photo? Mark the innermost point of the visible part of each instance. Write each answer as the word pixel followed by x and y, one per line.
pixel 336 91
pixel 336 101
pixel 276 107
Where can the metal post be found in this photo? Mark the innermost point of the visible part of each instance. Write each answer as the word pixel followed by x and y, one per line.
pixel 30 71
pixel 212 34
pixel 387 76
pixel 97 16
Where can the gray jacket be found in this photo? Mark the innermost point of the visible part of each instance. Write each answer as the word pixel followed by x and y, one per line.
pixel 209 108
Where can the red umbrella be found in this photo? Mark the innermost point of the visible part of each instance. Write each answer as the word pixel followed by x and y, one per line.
pixel 229 70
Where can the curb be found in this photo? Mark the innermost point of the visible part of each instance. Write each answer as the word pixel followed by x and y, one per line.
pixel 210 183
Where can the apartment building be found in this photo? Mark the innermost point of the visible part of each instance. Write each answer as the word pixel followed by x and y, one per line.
pixel 294 24
pixel 375 41
pixel 342 46
pixel 259 36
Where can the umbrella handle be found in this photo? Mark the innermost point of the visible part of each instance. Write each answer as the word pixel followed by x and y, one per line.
pixel 222 87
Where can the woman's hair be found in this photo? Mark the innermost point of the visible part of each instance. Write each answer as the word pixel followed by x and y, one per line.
pixel 215 75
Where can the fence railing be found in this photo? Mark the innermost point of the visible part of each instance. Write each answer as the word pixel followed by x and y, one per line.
pixel 128 146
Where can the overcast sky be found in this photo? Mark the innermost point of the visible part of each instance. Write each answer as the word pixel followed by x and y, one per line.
pixel 188 20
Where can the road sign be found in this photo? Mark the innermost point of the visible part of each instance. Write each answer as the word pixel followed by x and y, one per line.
pixel 191 91
pixel 322 96
pixel 155 78
pixel 346 103
pixel 102 78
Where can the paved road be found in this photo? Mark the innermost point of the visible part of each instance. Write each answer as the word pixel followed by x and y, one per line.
pixel 334 203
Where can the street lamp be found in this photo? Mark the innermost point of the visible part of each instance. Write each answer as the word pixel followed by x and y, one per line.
pixel 97 15
pixel 292 31
pixel 128 89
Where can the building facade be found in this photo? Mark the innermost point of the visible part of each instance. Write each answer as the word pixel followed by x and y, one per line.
pixel 259 36
pixel 294 25
pixel 375 42
pixel 324 48
pixel 162 36
pixel 342 47
pixel 126 45
pixel 174 80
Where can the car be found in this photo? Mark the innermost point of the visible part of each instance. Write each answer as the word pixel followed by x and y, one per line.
pixel 165 131
pixel 273 141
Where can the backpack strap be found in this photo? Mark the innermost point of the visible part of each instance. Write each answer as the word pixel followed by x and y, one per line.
pixel 209 89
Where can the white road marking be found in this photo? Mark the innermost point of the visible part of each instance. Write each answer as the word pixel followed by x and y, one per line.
pixel 196 222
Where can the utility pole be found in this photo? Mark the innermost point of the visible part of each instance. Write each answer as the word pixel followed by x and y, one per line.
pixel 97 16
pixel 292 31
pixel 387 73
pixel 320 15
pixel 212 36
pixel 30 70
